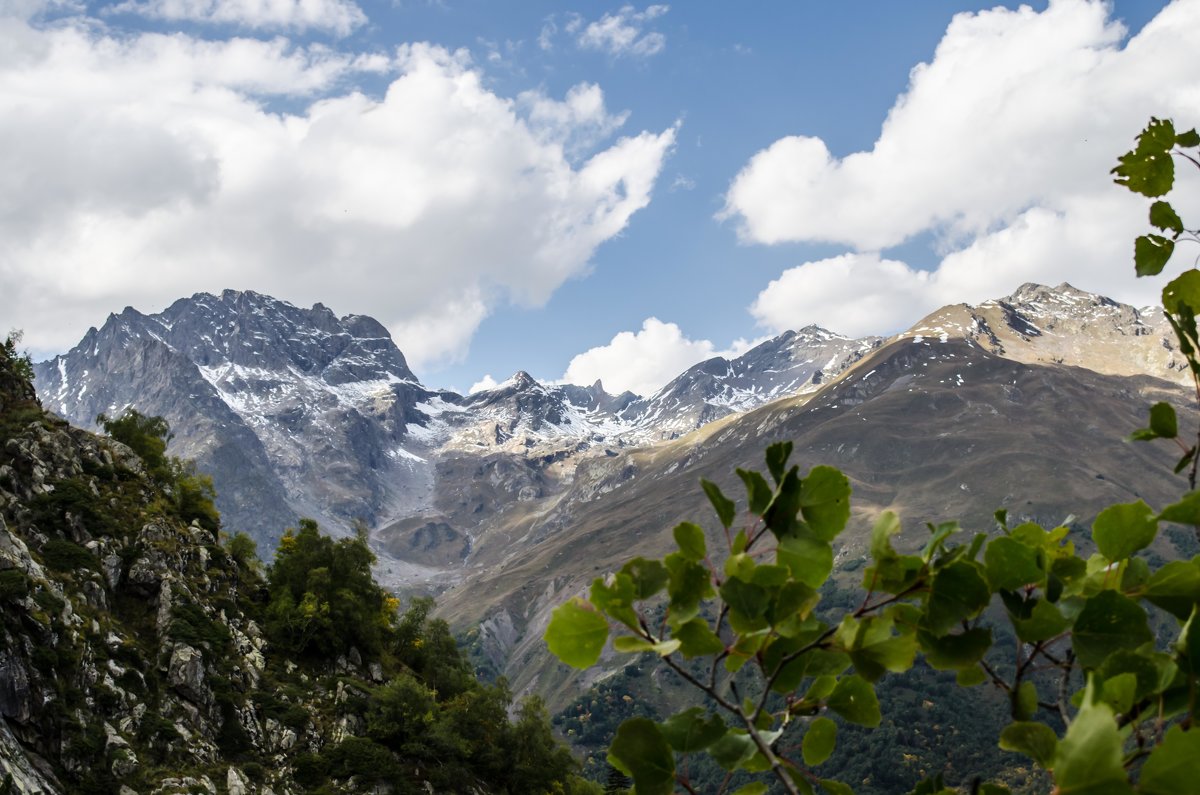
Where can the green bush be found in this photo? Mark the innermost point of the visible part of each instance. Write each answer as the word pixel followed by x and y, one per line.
pixel 58 554
pixel 14 584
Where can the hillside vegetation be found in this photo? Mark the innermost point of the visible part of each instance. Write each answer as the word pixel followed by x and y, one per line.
pixel 143 651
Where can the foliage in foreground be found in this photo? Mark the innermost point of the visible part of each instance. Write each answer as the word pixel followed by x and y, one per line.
pixel 743 626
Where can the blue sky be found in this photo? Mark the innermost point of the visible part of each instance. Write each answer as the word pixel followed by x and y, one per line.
pixel 737 179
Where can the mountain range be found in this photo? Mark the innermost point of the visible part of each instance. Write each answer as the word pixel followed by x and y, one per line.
pixel 509 500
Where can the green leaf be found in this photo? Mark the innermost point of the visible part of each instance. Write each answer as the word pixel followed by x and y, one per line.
pixel 970 677
pixel 1035 740
pixel 809 559
pixel 1143 669
pixel 1186 511
pixel 747 602
pixel 958 592
pixel 753 788
pixel 1119 691
pixel 697 639
pixel 1164 217
pixel 616 599
pixel 690 538
pixel 1173 767
pixel 733 750
pixel 576 633
pixel 1182 293
pixel 817 662
pixel 1012 564
pixel 854 699
pixel 956 651
pixel 648 576
pixel 688 584
pixel 819 741
pixel 1045 621
pixel 1151 254
pixel 726 510
pixel 1088 761
pixel 758 492
pixel 873 647
pixel 641 751
pixel 834 787
pixel 1175 588
pixel 1148 169
pixel 777 456
pixel 780 515
pixel 1025 701
pixel 1108 623
pixel 825 501
pixel 692 730
pixel 1121 530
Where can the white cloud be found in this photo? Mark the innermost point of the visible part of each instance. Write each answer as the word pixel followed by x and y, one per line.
pixel 645 360
pixel 1000 149
pixel 483 384
pixel 339 17
pixel 137 168
pixel 619 34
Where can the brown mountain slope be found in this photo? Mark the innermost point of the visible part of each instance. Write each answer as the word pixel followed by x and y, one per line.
pixel 934 430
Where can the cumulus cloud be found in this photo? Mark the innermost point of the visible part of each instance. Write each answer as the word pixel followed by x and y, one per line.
pixel 339 17
pixel 619 34
pixel 483 384
pixel 645 360
pixel 136 168
pixel 999 150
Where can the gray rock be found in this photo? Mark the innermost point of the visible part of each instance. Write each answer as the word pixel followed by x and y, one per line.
pixel 186 674
pixel 16 695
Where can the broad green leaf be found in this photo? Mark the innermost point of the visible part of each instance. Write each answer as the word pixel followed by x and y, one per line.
pixel 1035 740
pixel 1175 588
pixel 854 699
pixel 692 730
pixel 697 639
pixel 1186 511
pixel 1025 701
pixel 758 492
pixel 809 559
pixel 748 604
pixel 1188 139
pixel 780 516
pixel 873 648
pixel 1173 767
pixel 753 788
pixel 688 584
pixel 956 651
pixel 1045 621
pixel 1141 667
pixel 938 536
pixel 1182 293
pixel 616 598
pixel 726 510
pixel 834 787
pixel 792 605
pixel 1012 564
pixel 958 592
pixel 733 749
pixel 777 456
pixel 1164 217
pixel 1149 169
pixel 825 501
pixel 648 576
pixel 1108 623
pixel 1088 761
pixel 576 633
pixel 1189 643
pixel 817 662
pixel 1119 691
pixel 1121 530
pixel 819 741
pixel 690 538
pixel 1151 254
pixel 821 687
pixel 641 751
pixel 970 677
pixel 1163 420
